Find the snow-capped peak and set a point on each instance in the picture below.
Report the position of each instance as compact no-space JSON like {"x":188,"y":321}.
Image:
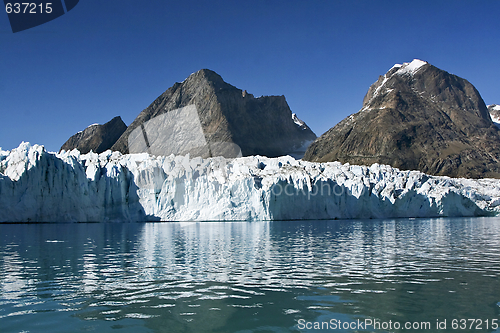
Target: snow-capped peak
{"x":96,"y":124}
{"x":407,"y":68}
{"x":410,"y":67}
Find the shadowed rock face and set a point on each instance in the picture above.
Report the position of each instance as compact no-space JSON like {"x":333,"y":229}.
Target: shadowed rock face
{"x":97,"y":138}
{"x":226,"y":115}
{"x":417,"y":117}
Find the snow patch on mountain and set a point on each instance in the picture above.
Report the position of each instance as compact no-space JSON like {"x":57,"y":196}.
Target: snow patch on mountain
{"x":396,"y":66}
{"x":298,"y":122}
{"x":411,"y":68}
{"x":495,"y":113}
{"x":496,"y":120}
{"x":40,"y":186}
{"x":91,"y":125}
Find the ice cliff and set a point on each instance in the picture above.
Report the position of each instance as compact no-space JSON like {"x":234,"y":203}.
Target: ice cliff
{"x":40,"y":186}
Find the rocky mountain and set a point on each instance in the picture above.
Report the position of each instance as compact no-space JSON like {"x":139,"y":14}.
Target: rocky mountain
{"x":205,"y":116}
{"x":494,"y":111}
{"x":97,"y":138}
{"x":417,"y":117}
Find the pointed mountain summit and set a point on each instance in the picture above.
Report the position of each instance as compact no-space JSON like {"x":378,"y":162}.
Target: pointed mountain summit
{"x":417,"y":117}
{"x":205,"y":116}
{"x":97,"y":138}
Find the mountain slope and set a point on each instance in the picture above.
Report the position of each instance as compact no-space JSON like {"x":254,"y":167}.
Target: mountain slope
{"x":417,"y":117}
{"x":205,"y":116}
{"x":97,"y":138}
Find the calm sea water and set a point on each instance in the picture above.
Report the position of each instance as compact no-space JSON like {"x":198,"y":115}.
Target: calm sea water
{"x":250,"y":277}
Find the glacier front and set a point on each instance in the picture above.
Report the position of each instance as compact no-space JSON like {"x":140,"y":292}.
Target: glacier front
{"x":41,"y":186}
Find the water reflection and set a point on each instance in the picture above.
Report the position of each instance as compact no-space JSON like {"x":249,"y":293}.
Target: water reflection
{"x":248,"y":277}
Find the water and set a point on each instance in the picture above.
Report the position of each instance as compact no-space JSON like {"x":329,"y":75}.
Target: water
{"x":249,"y":277}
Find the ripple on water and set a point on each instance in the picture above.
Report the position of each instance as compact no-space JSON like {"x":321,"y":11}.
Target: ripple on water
{"x":248,"y":275}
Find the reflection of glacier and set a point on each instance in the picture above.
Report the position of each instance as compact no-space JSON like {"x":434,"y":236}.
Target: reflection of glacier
{"x":13,"y":281}
{"x":178,"y":132}
{"x":40,"y":186}
{"x":212,"y":252}
{"x":165,"y":273}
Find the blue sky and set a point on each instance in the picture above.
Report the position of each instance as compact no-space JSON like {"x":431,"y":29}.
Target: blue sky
{"x":114,"y":57}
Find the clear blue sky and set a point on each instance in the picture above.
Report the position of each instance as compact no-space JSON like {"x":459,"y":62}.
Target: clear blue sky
{"x":114,"y":57}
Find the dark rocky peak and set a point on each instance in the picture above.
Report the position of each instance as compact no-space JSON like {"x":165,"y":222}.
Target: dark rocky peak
{"x":211,"y":77}
{"x":417,"y":117}
{"x":202,"y":81}
{"x":220,"y":118}
{"x":96,"y":138}
{"x":455,"y":96}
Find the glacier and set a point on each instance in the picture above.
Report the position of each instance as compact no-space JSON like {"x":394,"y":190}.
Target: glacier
{"x":41,"y":186}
